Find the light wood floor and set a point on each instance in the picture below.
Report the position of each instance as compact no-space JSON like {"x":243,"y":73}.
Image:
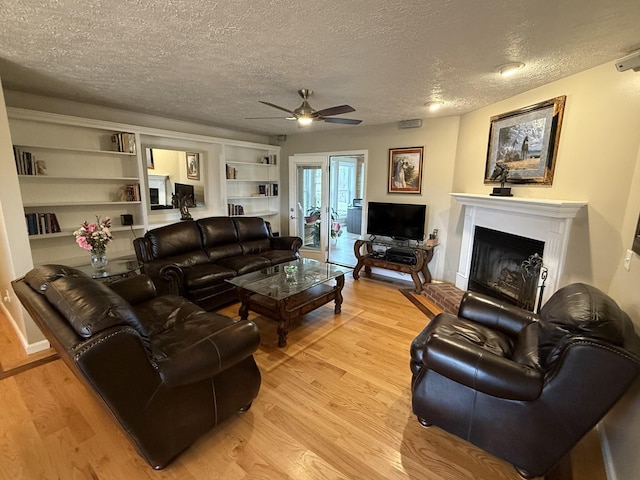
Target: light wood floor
{"x":334,"y":404}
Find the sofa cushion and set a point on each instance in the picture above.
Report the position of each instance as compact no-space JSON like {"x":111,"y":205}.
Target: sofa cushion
{"x":217,"y":231}
{"x":218,"y":252}
{"x":279,"y":256}
{"x":253,"y":247}
{"x":200,"y":276}
{"x":165,"y":311}
{"x":175,"y":239}
{"x":251,"y":228}
{"x":41,"y":276}
{"x":245,"y":263}
{"x":91,"y":306}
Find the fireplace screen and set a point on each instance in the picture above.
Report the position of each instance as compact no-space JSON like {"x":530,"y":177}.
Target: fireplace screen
{"x":496,"y":267}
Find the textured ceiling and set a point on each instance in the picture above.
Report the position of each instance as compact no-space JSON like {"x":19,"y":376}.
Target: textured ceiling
{"x":211,"y":61}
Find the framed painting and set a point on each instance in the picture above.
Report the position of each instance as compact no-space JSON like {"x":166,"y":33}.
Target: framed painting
{"x":405,"y":170}
{"x":149,"y":153}
{"x":193,"y":166}
{"x":523,"y":143}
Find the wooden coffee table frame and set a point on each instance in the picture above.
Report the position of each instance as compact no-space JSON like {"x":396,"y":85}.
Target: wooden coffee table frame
{"x":290,"y":308}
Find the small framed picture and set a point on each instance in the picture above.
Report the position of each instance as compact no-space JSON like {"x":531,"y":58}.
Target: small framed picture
{"x":405,"y":170}
{"x":193,"y":166}
{"x":523,"y":144}
{"x":149,"y":153}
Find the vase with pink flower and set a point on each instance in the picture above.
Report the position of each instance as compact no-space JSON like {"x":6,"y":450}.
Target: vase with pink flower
{"x":94,"y":238}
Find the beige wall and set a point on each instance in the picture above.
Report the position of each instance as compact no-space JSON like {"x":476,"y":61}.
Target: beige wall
{"x":439,"y":140}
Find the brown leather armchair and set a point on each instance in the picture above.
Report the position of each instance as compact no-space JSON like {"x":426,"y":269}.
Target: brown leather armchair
{"x":166,"y":370}
{"x":522,"y":386}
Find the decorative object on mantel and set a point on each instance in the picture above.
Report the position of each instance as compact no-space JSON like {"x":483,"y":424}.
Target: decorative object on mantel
{"x":501,"y":174}
{"x":533,"y":270}
{"x":526,"y":141}
{"x":94,"y":238}
{"x":183,"y":202}
{"x":405,"y":170}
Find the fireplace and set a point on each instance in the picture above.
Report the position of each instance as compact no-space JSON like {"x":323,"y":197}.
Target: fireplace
{"x":497,"y":266}
{"x":547,"y":221}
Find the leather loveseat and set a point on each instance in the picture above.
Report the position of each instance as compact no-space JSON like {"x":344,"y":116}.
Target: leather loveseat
{"x":194,"y":258}
{"x":522,"y":386}
{"x":165,"y":369}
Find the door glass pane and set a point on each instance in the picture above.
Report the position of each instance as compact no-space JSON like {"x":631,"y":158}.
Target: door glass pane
{"x":309,"y":202}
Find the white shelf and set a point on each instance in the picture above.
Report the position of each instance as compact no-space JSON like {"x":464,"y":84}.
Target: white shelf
{"x":72,"y":178}
{"x":250,"y":197}
{"x":236,"y":180}
{"x":69,"y":232}
{"x":75,"y":204}
{"x":266,"y":213}
{"x":74,"y":150}
{"x":253,"y":164}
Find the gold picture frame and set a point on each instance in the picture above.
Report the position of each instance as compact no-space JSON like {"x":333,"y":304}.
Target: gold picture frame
{"x":193,"y":166}
{"x":525,"y":141}
{"x":405,"y":170}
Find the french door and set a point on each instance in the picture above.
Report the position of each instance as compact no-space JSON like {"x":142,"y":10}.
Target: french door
{"x":309,"y":214}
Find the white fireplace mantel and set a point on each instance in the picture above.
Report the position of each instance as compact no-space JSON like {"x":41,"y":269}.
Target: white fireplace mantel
{"x":545,"y":220}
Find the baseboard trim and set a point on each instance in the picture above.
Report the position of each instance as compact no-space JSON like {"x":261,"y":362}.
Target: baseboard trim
{"x":29,"y":348}
{"x":606,"y":452}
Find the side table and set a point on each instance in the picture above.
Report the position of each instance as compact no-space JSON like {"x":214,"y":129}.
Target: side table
{"x":116,"y":269}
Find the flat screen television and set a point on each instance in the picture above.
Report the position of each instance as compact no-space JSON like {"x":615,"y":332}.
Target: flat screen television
{"x":396,"y":220}
{"x":185,"y":190}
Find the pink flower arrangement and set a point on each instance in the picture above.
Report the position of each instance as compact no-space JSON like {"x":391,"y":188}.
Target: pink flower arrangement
{"x":94,"y":236}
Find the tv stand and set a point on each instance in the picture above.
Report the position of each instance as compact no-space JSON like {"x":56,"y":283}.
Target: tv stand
{"x":407,"y":259}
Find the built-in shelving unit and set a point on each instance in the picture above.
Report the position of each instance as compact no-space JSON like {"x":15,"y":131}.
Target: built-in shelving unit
{"x":68,"y":173}
{"x":252,"y":182}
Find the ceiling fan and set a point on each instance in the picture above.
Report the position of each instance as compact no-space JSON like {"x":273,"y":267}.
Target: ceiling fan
{"x":305,"y":114}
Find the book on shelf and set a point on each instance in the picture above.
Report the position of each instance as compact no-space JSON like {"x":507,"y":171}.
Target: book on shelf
{"x":130,"y":193}
{"x":42,"y":223}
{"x":234,"y":210}
{"x":25,"y":162}
{"x":124,"y":142}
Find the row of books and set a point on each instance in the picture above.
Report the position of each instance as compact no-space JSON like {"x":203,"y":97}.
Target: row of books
{"x":130,"y":193}
{"x":41,"y":223}
{"x":269,"y":159}
{"x":233,"y":209}
{"x":269,"y":190}
{"x":25,"y":162}
{"x":124,"y":142}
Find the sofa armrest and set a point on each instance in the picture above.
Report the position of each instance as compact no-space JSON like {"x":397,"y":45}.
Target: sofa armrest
{"x":189,"y":360}
{"x":495,"y":314}
{"x":167,"y":276}
{"x":481,"y":370}
{"x":286,"y":243}
{"x":135,"y":290}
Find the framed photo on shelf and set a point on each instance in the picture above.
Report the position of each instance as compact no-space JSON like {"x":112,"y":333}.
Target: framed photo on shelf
{"x":149,"y":153}
{"x":405,"y":170}
{"x":525,"y":141}
{"x":193,"y":166}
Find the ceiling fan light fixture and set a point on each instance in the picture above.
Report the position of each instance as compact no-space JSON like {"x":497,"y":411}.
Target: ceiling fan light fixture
{"x":509,"y":69}
{"x":434,"y":105}
{"x":304,"y":121}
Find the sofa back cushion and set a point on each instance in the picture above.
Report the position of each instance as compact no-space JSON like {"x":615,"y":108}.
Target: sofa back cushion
{"x":253,"y":235}
{"x":219,"y":237}
{"x":581,"y":310}
{"x":90,"y":306}
{"x":174,"y":240}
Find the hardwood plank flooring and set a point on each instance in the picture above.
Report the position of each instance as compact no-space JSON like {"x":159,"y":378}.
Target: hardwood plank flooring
{"x":335,"y":403}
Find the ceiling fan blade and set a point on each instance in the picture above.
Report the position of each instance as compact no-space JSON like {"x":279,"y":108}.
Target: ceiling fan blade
{"x":338,"y":110}
{"x":278,"y":107}
{"x":262,"y":118}
{"x":343,"y":121}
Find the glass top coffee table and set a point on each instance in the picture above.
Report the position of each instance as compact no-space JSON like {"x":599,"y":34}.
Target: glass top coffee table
{"x":115,"y":269}
{"x":288,"y":291}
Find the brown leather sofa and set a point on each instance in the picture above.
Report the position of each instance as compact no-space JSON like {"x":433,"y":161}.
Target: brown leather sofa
{"x":164,"y":368}
{"x":194,"y":258}
{"x":522,"y":386}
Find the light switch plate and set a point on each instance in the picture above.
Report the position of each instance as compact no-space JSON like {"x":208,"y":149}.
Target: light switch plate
{"x":627,"y":260}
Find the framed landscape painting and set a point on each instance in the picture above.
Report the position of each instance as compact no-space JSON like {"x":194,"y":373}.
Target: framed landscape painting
{"x":405,"y":170}
{"x":525,"y":141}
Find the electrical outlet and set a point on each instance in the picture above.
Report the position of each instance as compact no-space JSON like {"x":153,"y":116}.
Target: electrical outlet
{"x":7,"y":297}
{"x":627,"y":260}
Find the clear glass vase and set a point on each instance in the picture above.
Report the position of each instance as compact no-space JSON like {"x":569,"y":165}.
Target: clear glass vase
{"x":99,"y":259}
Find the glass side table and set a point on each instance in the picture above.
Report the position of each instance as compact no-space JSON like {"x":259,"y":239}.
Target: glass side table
{"x":116,"y":269}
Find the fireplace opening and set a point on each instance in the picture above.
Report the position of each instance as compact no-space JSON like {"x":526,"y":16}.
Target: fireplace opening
{"x":497,"y":267}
